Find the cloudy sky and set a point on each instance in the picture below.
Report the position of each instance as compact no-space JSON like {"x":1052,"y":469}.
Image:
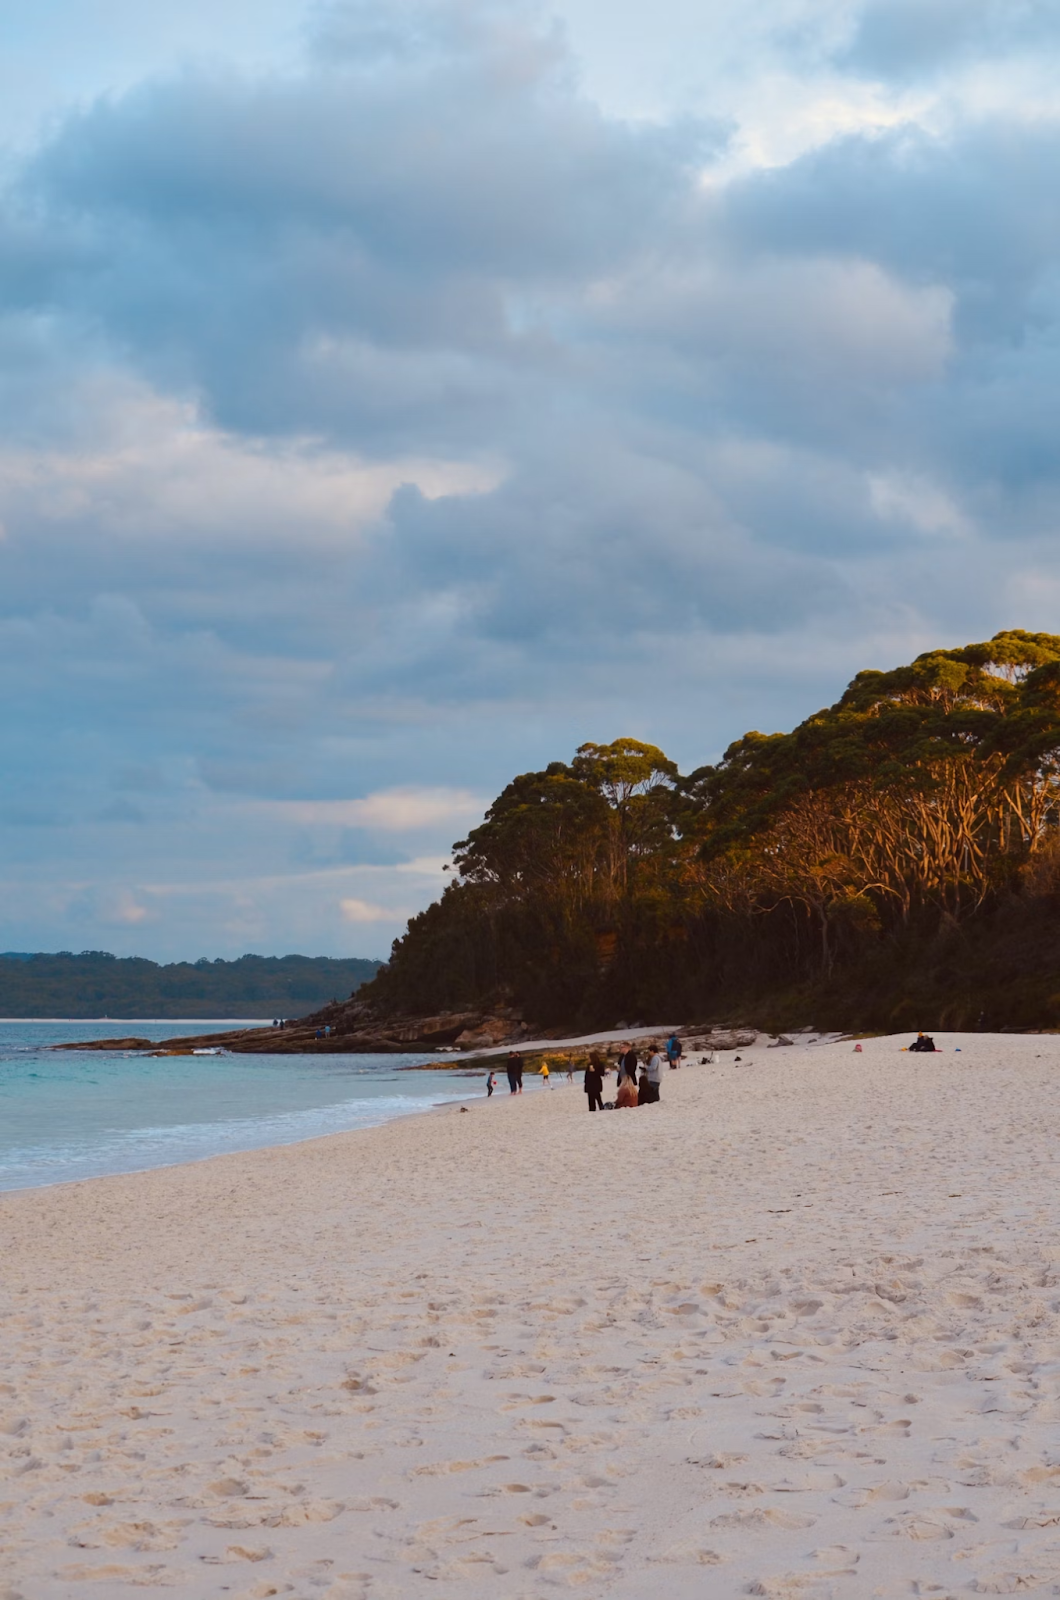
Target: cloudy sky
{"x":394,"y":395}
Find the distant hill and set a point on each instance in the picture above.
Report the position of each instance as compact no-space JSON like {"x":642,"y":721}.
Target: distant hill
{"x":97,"y":984}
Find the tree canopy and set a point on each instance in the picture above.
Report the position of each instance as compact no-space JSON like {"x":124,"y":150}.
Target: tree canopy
{"x":926,"y":799}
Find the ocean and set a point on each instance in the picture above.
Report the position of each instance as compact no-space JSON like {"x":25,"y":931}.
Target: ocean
{"x":67,"y":1115}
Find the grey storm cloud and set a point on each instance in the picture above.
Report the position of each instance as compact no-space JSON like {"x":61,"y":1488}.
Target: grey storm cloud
{"x":972,"y":215}
{"x":409,"y":417}
{"x":428,"y":241}
{"x":356,"y":250}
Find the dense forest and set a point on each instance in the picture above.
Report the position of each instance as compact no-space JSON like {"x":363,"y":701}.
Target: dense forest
{"x":97,"y":984}
{"x":893,"y":861}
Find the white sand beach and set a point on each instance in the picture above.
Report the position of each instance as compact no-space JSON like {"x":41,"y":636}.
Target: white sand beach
{"x":793,"y":1332}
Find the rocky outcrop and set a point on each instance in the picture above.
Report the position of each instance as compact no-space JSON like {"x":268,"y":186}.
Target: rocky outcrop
{"x":349,"y":1027}
{"x":353,"y":1027}
{"x":732,"y":1038}
{"x":491,"y":1031}
{"x":712,"y":1037}
{"x":108,"y":1044}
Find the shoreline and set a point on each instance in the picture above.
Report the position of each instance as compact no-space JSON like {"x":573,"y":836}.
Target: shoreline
{"x":471,"y":1065}
{"x":482,"y":1061}
{"x":797,"y":1322}
{"x":226,"y":1155}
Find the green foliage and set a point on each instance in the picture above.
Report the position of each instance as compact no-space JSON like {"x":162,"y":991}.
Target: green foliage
{"x":915,"y":806}
{"x":95,"y":984}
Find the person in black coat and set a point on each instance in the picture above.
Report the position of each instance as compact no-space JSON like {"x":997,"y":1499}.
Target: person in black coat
{"x":594,"y":1083}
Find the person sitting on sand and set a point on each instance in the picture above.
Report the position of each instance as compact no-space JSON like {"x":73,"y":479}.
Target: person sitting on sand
{"x":594,"y":1083}
{"x":923,"y":1042}
{"x":627,"y":1091}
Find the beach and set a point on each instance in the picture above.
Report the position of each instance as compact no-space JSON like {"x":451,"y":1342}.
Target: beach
{"x":792,"y":1332}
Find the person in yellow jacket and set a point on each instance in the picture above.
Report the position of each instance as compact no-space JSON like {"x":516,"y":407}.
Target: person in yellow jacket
{"x":545,"y":1072}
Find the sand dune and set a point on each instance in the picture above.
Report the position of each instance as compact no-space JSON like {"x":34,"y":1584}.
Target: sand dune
{"x":793,"y":1332}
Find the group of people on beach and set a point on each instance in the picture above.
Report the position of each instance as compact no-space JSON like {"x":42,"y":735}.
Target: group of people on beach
{"x":515,"y":1075}
{"x":639,"y":1081}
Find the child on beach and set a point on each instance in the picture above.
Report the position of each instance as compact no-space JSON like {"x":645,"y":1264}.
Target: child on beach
{"x":491,"y":1084}
{"x":545,"y":1073}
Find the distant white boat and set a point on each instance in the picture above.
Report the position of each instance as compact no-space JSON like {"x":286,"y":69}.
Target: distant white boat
{"x":213,"y":1050}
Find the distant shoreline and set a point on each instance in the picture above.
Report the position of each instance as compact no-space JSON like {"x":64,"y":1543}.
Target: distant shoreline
{"x":262,"y":1022}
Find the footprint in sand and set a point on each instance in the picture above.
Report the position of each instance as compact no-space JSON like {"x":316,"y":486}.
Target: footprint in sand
{"x":794,"y":1586}
{"x":140,"y":1577}
{"x":1036,"y":1519}
{"x":243,"y":1552}
{"x":349,"y":1586}
{"x":807,"y":1483}
{"x":305,"y":1511}
{"x":923,"y":1526}
{"x":759,"y":1518}
{"x":689,"y":1554}
{"x":856,"y":1498}
{"x":100,"y":1535}
{"x":1016,"y":1580}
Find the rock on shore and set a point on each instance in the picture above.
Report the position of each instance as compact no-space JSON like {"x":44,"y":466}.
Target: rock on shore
{"x":355,"y":1029}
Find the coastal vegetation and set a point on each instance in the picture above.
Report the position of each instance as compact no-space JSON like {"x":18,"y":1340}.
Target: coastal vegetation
{"x":894,"y":860}
{"x":97,"y":984}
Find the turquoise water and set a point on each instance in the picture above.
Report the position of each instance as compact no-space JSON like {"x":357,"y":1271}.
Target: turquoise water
{"x":67,"y":1115}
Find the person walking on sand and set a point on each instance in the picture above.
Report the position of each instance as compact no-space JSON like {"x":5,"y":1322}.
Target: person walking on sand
{"x":517,"y":1062}
{"x":491,"y":1084}
{"x":673,"y":1051}
{"x":594,"y":1083}
{"x":545,"y":1074}
{"x":513,"y":1075}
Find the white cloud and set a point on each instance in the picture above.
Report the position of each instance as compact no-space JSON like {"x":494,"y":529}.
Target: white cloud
{"x":365,"y":911}
{"x":405,"y":810}
{"x":145,"y":465}
{"x":924,"y":505}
